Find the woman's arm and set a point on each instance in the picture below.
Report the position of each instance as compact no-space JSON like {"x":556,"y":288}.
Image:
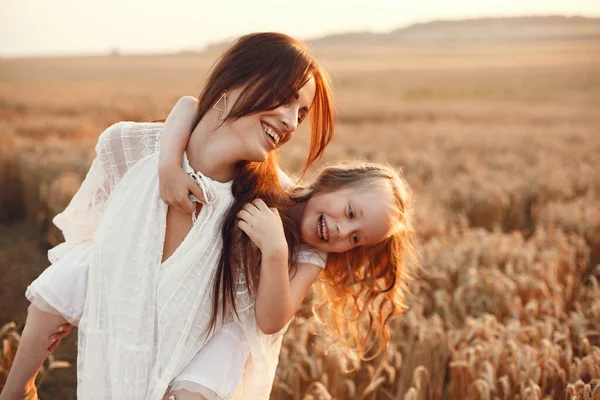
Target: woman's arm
{"x":278,"y":298}
{"x":175,"y":184}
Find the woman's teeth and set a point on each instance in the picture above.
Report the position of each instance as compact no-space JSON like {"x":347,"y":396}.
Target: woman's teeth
{"x":271,"y":133}
{"x":323,"y":229}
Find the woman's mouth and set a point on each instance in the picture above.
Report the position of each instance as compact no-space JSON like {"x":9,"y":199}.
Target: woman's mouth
{"x":271,"y":133}
{"x":322,"y":229}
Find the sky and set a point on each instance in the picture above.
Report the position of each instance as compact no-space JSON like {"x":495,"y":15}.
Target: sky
{"x":69,"y":27}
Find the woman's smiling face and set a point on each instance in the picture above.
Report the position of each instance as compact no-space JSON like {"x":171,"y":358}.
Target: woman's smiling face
{"x":340,"y":220}
{"x":260,"y":133}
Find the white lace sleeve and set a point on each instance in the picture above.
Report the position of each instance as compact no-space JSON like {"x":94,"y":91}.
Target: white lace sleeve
{"x":78,"y":222}
{"x":117,"y":149}
{"x":124,"y":144}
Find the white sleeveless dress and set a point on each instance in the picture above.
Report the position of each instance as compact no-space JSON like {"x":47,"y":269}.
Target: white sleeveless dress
{"x":142,"y":322}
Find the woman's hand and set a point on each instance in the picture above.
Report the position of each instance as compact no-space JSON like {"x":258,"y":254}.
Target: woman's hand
{"x":176,"y":185}
{"x":263,"y":226}
{"x":63,"y":330}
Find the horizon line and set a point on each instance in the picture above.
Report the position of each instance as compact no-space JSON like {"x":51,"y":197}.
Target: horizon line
{"x":115,"y":51}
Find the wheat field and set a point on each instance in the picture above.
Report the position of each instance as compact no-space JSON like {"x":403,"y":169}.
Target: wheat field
{"x":500,"y":144}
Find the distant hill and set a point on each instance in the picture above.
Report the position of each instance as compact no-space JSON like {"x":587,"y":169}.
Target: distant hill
{"x":506,"y":29}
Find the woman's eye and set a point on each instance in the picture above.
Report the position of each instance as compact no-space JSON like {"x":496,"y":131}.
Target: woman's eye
{"x":350,"y":212}
{"x":355,"y":238}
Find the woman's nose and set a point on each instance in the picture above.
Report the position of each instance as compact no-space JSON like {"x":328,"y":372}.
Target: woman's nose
{"x":289,"y":118}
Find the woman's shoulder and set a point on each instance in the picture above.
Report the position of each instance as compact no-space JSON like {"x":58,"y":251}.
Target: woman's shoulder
{"x":125,"y":133}
{"x":308,"y":254}
{"x":121,"y":127}
{"x":124,"y":143}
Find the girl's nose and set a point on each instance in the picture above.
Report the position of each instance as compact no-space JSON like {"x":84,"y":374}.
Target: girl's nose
{"x":343,"y":230}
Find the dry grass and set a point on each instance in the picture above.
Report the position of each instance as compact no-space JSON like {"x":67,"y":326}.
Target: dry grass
{"x":500,"y":145}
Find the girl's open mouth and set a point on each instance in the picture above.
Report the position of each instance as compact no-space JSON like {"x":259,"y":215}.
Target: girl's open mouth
{"x":323,"y":229}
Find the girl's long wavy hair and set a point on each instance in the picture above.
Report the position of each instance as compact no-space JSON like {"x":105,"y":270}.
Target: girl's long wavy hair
{"x":360,"y":290}
{"x":271,"y":68}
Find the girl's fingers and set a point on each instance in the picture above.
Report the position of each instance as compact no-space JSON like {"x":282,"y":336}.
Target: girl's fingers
{"x":251,"y":207}
{"x":58,"y":336}
{"x":177,"y":206}
{"x":274,"y":210}
{"x":187,"y":206}
{"x":244,"y":216}
{"x":63,"y":330}
{"x":260,"y":204}
{"x":244,"y":226}
{"x":197,"y":191}
{"x":53,"y":346}
{"x":172,"y":200}
{"x":65,"y":327}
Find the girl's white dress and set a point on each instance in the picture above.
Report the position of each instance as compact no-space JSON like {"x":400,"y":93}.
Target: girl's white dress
{"x":142,"y":322}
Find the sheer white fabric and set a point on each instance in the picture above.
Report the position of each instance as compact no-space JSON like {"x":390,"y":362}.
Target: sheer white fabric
{"x":218,"y":368}
{"x":61,"y":287}
{"x":144,"y":320}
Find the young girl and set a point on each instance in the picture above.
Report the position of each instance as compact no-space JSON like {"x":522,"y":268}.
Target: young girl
{"x":157,"y":285}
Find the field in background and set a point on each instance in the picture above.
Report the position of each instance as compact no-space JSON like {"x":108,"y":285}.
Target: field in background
{"x":500,"y":144}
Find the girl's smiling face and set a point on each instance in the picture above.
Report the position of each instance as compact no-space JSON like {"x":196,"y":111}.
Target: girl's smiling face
{"x":340,"y":220}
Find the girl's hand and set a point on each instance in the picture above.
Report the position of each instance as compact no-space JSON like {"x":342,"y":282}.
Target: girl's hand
{"x":263,"y":226}
{"x":63,"y":330}
{"x":176,"y":185}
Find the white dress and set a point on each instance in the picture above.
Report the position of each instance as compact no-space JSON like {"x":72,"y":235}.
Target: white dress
{"x":142,"y":322}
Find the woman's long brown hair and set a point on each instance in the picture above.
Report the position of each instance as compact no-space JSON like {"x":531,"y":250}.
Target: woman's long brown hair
{"x":271,"y":68}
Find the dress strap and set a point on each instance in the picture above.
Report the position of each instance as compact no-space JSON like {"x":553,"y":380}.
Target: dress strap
{"x":205,"y":183}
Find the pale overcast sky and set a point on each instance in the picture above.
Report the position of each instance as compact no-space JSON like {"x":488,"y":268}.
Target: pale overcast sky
{"x":57,"y":27}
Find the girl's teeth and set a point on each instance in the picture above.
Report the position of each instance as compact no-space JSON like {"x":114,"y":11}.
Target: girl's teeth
{"x":323,"y":231}
{"x":320,"y":227}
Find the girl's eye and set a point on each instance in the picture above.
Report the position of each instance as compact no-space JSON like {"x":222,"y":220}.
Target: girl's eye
{"x":355,"y":238}
{"x":350,"y":212}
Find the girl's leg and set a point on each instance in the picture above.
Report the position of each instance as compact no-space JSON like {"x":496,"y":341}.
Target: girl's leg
{"x":183,"y":394}
{"x":31,"y":353}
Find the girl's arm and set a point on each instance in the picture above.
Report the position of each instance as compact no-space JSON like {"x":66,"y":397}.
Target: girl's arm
{"x":175,"y":184}
{"x":278,"y":298}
